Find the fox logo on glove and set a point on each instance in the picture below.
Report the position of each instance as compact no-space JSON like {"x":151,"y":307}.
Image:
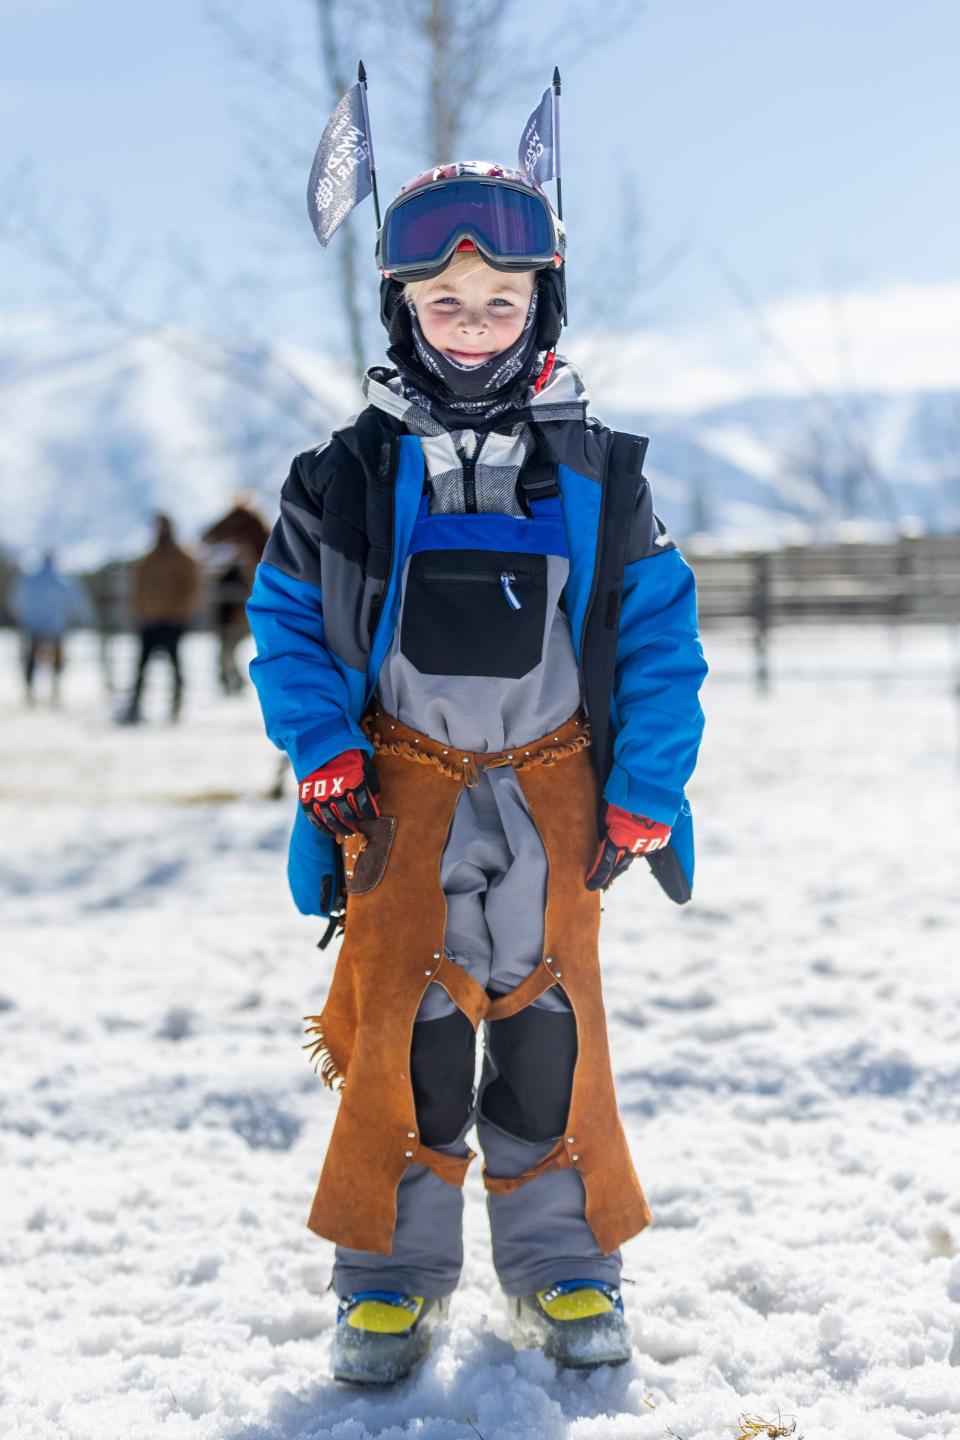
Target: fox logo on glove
{"x":341,"y":793}
{"x":627,"y":835}
{"x":658,"y":835}
{"x":320,"y":789}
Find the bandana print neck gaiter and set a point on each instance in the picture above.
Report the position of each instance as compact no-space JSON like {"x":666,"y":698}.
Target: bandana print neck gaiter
{"x":467,"y":384}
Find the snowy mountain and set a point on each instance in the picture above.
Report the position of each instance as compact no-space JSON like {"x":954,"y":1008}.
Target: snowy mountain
{"x":97,"y":432}
{"x":769,"y":469}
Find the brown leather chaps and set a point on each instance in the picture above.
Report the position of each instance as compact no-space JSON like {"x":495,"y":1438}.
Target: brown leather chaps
{"x":393,"y":950}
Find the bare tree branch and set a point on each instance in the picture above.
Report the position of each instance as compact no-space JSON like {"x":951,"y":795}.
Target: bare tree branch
{"x":270,"y":154}
{"x":347,"y":245}
{"x":459,"y":48}
{"x":861,"y":459}
{"x":258,"y":51}
{"x":470,"y":57}
{"x":30,"y":232}
{"x":453,"y":44}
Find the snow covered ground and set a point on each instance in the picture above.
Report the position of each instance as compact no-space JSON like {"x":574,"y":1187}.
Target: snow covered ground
{"x":787,"y":1051}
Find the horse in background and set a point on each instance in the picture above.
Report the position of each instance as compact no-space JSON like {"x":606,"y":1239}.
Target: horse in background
{"x":238,"y":539}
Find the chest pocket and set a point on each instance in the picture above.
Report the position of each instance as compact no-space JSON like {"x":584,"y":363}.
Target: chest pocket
{"x":474,"y":612}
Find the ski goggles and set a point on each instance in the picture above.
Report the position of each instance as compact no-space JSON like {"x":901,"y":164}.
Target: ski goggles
{"x":511,"y":224}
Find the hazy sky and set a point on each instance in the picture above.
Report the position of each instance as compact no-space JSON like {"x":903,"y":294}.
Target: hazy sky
{"x":807,"y":145}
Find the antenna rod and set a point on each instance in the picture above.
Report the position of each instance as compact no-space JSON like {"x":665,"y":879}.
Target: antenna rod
{"x":556,"y":137}
{"x":555,"y":107}
{"x":362,"y":78}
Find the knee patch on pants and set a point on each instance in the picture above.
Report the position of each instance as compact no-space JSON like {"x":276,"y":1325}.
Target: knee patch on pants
{"x":534,"y":1054}
{"x":441,"y":1071}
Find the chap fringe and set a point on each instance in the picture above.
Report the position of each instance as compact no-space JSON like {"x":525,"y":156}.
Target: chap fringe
{"x":323,"y":1062}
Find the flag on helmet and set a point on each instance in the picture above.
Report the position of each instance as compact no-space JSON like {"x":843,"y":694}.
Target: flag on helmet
{"x":539,"y":142}
{"x":340,"y":176}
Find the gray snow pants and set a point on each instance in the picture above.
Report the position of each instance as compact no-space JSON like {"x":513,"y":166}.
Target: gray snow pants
{"x":494,"y":877}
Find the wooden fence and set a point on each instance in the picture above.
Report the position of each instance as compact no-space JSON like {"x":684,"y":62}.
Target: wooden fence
{"x":914,"y":579}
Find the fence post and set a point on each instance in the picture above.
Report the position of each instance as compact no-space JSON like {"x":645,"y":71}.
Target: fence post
{"x":904,"y":602}
{"x":760,"y":609}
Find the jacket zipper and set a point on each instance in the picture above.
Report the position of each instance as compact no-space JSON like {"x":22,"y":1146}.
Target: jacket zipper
{"x":507,"y":580}
{"x":469,"y":464}
{"x":486,"y":575}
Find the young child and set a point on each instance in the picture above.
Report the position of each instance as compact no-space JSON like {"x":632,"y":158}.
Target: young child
{"x":478,"y":646}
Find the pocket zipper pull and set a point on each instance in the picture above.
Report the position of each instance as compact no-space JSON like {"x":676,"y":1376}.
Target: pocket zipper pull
{"x":506,"y":577}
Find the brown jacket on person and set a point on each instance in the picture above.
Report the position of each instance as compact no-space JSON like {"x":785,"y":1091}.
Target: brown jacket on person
{"x":166,"y":585}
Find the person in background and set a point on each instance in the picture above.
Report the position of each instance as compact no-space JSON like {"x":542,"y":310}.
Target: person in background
{"x":45,"y":604}
{"x":166,"y":590}
{"x":240,"y":536}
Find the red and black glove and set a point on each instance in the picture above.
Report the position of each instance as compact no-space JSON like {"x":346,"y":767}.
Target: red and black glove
{"x":627,"y":836}
{"x":341,"y":793}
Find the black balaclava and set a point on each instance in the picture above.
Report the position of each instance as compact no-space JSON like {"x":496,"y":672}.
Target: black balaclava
{"x":465,"y":394}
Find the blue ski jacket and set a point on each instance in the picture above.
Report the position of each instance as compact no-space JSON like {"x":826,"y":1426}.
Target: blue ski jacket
{"x":326,"y":601}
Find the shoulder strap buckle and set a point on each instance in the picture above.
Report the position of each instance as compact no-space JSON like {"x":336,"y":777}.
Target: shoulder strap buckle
{"x":538,"y":476}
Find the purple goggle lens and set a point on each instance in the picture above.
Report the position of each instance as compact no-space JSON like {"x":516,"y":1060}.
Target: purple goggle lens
{"x":422,"y":228}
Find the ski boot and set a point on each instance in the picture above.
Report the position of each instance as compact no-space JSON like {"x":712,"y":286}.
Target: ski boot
{"x":577,"y":1323}
{"x":382,"y":1334}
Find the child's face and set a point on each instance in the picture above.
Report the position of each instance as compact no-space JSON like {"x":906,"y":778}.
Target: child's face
{"x":474,"y":315}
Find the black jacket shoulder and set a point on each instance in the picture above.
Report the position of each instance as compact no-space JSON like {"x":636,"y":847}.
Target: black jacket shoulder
{"x":339,"y":496}
{"x":362,"y":447}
